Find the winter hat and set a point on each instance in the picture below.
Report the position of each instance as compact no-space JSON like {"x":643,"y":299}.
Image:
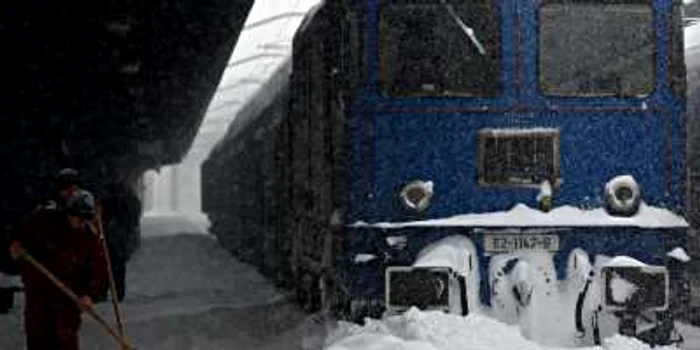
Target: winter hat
{"x":67,"y":177}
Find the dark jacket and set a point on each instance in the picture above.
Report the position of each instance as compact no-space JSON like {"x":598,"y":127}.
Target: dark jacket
{"x":74,"y":256}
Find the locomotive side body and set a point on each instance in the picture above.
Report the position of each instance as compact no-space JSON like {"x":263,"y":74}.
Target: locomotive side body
{"x":241,"y":178}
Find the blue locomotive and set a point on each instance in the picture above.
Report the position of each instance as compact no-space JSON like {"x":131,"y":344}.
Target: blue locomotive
{"x":520,"y":158}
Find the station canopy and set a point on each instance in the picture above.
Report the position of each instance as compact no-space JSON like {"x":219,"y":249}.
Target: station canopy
{"x":264,"y":44}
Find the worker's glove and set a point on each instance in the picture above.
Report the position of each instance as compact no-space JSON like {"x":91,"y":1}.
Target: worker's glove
{"x":16,"y":250}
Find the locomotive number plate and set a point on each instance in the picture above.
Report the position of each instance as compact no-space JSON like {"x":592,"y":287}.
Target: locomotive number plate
{"x":509,"y":243}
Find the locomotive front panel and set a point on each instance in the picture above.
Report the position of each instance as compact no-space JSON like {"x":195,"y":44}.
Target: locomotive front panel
{"x":534,"y":149}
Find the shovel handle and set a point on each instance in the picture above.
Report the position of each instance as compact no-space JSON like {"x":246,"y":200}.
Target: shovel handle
{"x":89,"y":310}
{"x":110,"y":273}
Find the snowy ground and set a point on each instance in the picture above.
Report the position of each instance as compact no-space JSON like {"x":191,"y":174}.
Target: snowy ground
{"x":156,"y":224}
{"x":184,"y":293}
{"x":415,"y":330}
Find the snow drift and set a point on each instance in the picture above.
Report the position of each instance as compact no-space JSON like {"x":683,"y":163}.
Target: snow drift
{"x":417,"y":330}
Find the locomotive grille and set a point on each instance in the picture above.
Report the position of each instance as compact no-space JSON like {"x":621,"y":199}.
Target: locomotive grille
{"x":518,"y":157}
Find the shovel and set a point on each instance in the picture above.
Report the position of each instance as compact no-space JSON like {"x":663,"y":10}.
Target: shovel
{"x":123,"y":342}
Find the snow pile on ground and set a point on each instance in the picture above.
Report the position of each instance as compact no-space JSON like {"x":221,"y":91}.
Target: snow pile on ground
{"x":156,"y":224}
{"x":189,"y":273}
{"x":185,"y":292}
{"x":417,"y":330}
{"x":523,"y":216}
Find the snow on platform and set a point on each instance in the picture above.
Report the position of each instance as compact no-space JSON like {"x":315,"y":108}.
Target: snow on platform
{"x":416,"y":330}
{"x":189,"y":272}
{"x":691,"y":335}
{"x":156,"y":224}
{"x":565,"y":216}
{"x":185,"y":292}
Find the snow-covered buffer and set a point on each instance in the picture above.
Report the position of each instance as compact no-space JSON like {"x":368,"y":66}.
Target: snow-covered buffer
{"x":444,"y":277}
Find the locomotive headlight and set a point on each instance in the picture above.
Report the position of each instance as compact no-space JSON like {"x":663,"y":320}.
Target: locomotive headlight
{"x":622,"y":196}
{"x":417,"y":195}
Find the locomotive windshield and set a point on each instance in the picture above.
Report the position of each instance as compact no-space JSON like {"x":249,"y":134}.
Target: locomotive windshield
{"x":440,"y":47}
{"x":597,"y":48}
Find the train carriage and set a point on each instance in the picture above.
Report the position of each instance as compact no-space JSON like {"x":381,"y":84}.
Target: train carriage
{"x":507,"y":157}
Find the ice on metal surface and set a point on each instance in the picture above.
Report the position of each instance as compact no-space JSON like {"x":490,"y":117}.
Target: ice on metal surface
{"x":624,"y":261}
{"x":518,"y":131}
{"x":565,"y":216}
{"x":545,"y":190}
{"x":363,"y":258}
{"x":397,"y":242}
{"x":679,"y":254}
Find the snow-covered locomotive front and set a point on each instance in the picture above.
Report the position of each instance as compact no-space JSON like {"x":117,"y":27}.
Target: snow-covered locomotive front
{"x":531,"y":274}
{"x":546,"y":140}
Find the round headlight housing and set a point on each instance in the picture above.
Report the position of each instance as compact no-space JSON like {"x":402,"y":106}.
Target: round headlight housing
{"x":622,"y":196}
{"x":417,"y":195}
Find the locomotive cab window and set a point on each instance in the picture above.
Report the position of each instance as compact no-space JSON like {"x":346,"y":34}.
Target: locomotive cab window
{"x":598,"y":48}
{"x":440,"y":48}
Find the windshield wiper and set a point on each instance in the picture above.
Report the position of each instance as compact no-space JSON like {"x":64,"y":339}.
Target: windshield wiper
{"x":465,"y":28}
